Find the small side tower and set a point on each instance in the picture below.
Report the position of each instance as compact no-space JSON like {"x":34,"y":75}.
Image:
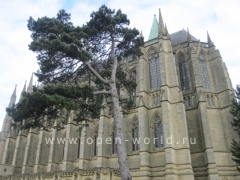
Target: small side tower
{"x":7,"y":124}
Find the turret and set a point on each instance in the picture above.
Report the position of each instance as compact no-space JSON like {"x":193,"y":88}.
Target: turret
{"x":210,"y":43}
{"x":189,"y":38}
{"x":7,"y":120}
{"x":13,"y":97}
{"x":29,"y":89}
{"x":23,"y":91}
{"x":161,"y":29}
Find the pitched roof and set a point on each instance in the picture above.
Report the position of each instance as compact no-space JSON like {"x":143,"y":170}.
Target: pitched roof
{"x":180,"y":36}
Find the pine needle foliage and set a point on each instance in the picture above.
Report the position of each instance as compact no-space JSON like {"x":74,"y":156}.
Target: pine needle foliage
{"x":235,"y":111}
{"x":63,"y":51}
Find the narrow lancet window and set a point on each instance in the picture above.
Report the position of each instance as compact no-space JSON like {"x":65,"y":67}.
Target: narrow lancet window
{"x":95,"y":142}
{"x":204,"y":72}
{"x":158,"y":133}
{"x":62,"y":155}
{"x":184,"y":80}
{"x":62,"y":147}
{"x":135,"y":135}
{"x":78,"y":148}
{"x":114,"y":147}
{"x":154,"y":70}
{"x":95,"y":146}
{"x":113,"y":144}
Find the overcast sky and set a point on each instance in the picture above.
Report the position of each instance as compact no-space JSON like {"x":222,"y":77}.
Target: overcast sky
{"x":220,"y":18}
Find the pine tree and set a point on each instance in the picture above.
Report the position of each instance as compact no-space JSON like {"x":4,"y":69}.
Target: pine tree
{"x":235,"y":111}
{"x":79,"y":69}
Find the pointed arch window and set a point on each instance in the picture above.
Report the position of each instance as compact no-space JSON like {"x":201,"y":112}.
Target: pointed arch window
{"x":183,"y":73}
{"x":154,"y":70}
{"x":158,"y":133}
{"x":204,"y":72}
{"x":135,"y":135}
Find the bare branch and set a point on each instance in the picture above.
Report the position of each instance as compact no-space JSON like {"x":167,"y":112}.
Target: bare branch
{"x":95,"y":73}
{"x":102,"y":92}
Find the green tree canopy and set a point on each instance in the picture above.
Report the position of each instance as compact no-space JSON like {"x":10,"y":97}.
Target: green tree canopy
{"x":235,"y":111}
{"x":78,"y":67}
{"x":64,"y":53}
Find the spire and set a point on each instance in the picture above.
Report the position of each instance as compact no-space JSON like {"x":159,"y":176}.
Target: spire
{"x":29,"y":89}
{"x":23,"y":91}
{"x":13,"y":97}
{"x":210,"y":43}
{"x":161,"y":24}
{"x":208,"y":38}
{"x":154,"y":30}
{"x":24,"y":87}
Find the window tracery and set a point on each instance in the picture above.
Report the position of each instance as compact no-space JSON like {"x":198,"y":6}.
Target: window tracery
{"x":154,"y":70}
{"x":158,"y":133}
{"x":204,"y":72}
{"x":135,"y":135}
{"x":183,"y":73}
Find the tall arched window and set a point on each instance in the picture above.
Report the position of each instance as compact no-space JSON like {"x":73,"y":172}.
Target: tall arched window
{"x":158,"y":133}
{"x":154,"y":70}
{"x":133,"y":91}
{"x":204,"y":72}
{"x":135,"y":135}
{"x":184,"y":80}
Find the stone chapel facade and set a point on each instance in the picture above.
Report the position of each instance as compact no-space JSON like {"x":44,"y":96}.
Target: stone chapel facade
{"x":181,"y":117}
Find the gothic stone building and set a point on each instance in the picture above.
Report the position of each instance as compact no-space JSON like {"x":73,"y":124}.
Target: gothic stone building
{"x":182,"y":99}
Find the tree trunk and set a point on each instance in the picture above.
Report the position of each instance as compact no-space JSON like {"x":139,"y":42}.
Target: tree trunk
{"x":120,"y":141}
